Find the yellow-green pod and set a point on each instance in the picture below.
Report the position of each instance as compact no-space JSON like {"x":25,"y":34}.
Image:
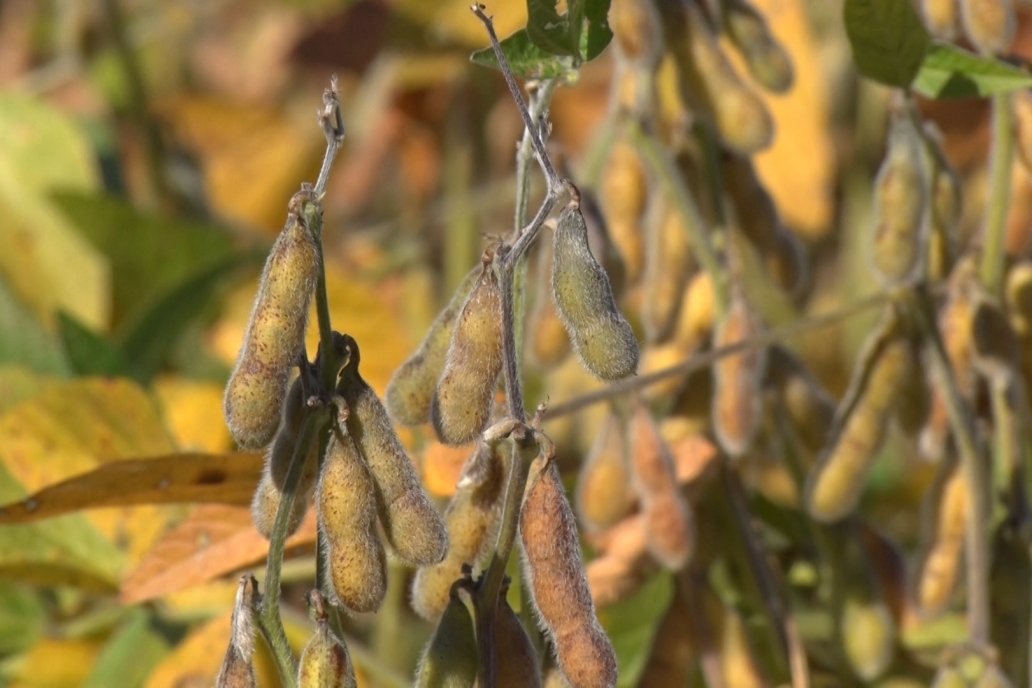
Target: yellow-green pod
{"x":413,"y":527}
{"x":555,"y":575}
{"x":989,"y":24}
{"x":835,"y":483}
{"x":601,"y":336}
{"x":275,"y":335}
{"x":767,"y":60}
{"x":411,"y":389}
{"x":325,"y":662}
{"x":462,"y":402}
{"x":450,"y":659}
{"x":900,"y":205}
{"x":868,"y":636}
{"x":604,"y":493}
{"x":472,"y":520}
{"x":347,"y":505}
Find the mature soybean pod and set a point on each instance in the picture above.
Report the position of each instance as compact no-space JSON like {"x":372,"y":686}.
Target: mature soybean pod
{"x":281,"y":451}
{"x":325,"y":662}
{"x":471,"y":519}
{"x":462,"y":401}
{"x":710,"y":83}
{"x":940,"y":18}
{"x":623,"y":199}
{"x":237,"y":670}
{"x":835,"y":483}
{"x":413,"y":527}
{"x":450,"y":659}
{"x":669,"y":524}
{"x":275,"y":334}
{"x":601,"y":336}
{"x":668,"y":264}
{"x":944,"y":530}
{"x":737,"y":403}
{"x":347,"y":519}
{"x":989,"y":24}
{"x":411,"y":389}
{"x":604,"y":494}
{"x":767,"y":60}
{"x":900,"y":205}
{"x":555,"y":575}
{"x":809,"y":408}
{"x":868,"y":636}
{"x":267,"y":498}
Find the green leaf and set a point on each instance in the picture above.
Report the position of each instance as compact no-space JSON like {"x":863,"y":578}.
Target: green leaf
{"x":598,"y":34}
{"x":952,"y":72}
{"x":526,"y":60}
{"x":632,"y":623}
{"x":130,"y":655}
{"x":22,"y":617}
{"x":889,"y":41}
{"x":24,"y":341}
{"x":149,"y":339}
{"x":88,"y":352}
{"x":547,"y":30}
{"x":148,"y":253}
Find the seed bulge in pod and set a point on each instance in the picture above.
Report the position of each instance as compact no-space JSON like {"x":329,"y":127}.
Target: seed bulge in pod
{"x":325,"y":662}
{"x":940,"y":18}
{"x":900,"y":205}
{"x":347,"y":518}
{"x":768,"y":62}
{"x":411,"y":389}
{"x":835,"y":483}
{"x":517,"y":663}
{"x":450,"y":659}
{"x":462,"y":402}
{"x":604,"y":493}
{"x":989,"y":24}
{"x":275,"y":334}
{"x":944,"y":531}
{"x":737,"y":403}
{"x":471,"y":519}
{"x":601,"y":336}
{"x":555,"y":575}
{"x":413,"y":527}
{"x":669,"y":524}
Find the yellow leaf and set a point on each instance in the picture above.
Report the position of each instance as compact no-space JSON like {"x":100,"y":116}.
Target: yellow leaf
{"x":193,"y":414}
{"x":74,"y":427}
{"x":55,"y":663}
{"x":799,"y":168}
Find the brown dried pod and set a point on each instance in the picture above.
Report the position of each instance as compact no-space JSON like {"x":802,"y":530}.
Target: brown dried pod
{"x":670,"y":526}
{"x":347,"y":506}
{"x":462,"y":402}
{"x":411,"y":523}
{"x":471,"y":519}
{"x":836,"y":482}
{"x":275,"y":335}
{"x":237,"y":670}
{"x":623,"y":195}
{"x":604,"y":495}
{"x":601,"y":336}
{"x":767,"y":60}
{"x":555,"y":576}
{"x":809,"y":407}
{"x":737,"y":403}
{"x":411,"y":389}
{"x":710,"y":84}
{"x":517,"y":662}
{"x":668,"y":264}
{"x":900,"y":205}
{"x":940,"y":18}
{"x":989,"y":24}
{"x":944,"y":531}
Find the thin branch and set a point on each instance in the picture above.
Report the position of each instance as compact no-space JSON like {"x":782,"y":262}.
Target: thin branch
{"x":710,"y":357}
{"x":332,"y":122}
{"x":1001,"y":157}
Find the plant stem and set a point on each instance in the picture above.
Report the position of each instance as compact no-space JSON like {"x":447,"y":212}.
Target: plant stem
{"x":677,"y":191}
{"x":977,"y":556}
{"x":994,"y":250}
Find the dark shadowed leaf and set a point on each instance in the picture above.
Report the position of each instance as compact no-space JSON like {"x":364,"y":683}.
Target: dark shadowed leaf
{"x":889,"y":42}
{"x":87,"y":351}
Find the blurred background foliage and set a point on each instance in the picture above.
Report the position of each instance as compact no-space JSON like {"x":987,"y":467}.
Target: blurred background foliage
{"x":147,"y":152}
